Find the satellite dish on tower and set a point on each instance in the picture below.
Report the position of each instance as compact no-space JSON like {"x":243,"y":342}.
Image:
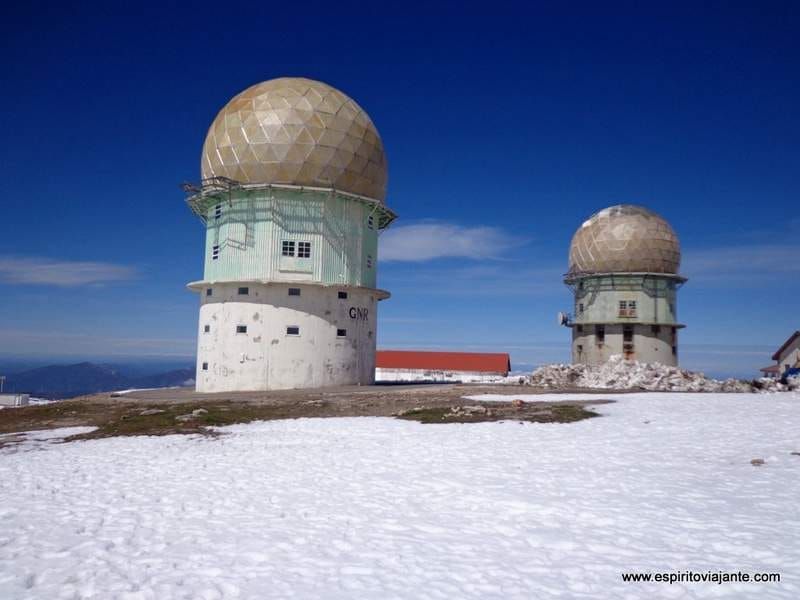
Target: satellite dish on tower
{"x":563,"y":319}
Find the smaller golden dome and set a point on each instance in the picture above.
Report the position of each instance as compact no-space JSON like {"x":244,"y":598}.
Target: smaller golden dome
{"x":625,"y":239}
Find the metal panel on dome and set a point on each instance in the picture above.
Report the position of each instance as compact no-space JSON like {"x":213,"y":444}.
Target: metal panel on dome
{"x":296,"y":131}
{"x":625,"y":239}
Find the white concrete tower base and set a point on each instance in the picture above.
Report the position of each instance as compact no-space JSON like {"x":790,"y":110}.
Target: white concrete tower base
{"x":268,"y":335}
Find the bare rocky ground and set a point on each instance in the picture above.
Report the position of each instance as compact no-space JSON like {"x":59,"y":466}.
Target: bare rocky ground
{"x":168,"y":411}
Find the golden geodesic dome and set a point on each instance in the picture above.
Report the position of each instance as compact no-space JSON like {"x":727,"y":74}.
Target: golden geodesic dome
{"x":296,"y":131}
{"x":625,"y":239}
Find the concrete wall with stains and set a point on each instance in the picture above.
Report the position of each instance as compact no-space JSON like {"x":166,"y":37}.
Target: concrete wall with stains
{"x":244,"y":340}
{"x":645,"y":343}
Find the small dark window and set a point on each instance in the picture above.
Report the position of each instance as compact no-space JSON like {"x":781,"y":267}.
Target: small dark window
{"x":371,"y":222}
{"x":207,"y":328}
{"x":215,"y":252}
{"x":217,"y":211}
{"x":580,"y":348}
{"x":369,"y":261}
{"x":580,"y":328}
{"x":303,"y":249}
{"x":600,"y":333}
{"x":292,"y":330}
{"x":656,"y":329}
{"x":243,"y":291}
{"x":674,"y":350}
{"x":341,"y":333}
{"x":205,"y":366}
{"x":294,"y":291}
{"x":241,"y":329}
{"x":627,"y":334}
{"x":287,"y":248}
{"x":342,"y":295}
{"x":580,"y":308}
{"x":627,"y":308}
{"x":208,"y":291}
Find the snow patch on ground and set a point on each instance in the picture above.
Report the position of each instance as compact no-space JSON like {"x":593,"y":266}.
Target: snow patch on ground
{"x":622,"y":374}
{"x":37,"y":440}
{"x":116,"y":393}
{"x":37,"y":401}
{"x":383,"y":508}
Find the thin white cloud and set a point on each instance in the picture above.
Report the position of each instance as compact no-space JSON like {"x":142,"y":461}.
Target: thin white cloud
{"x":47,"y":271}
{"x":429,"y":241}
{"x":743,"y":265}
{"x":499,"y":278}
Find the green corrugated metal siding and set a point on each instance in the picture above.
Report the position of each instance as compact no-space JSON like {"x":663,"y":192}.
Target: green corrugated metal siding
{"x":253,"y":224}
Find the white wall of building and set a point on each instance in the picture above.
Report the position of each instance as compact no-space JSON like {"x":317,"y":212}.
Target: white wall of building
{"x":790,"y":357}
{"x":14,"y":399}
{"x":434,"y":376}
{"x":265,"y":356}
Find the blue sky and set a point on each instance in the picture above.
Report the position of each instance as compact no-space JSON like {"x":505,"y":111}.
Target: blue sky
{"x":505,"y":125}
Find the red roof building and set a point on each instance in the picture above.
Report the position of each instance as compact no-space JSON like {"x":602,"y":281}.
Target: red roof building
{"x":773,"y":371}
{"x":411,"y":365}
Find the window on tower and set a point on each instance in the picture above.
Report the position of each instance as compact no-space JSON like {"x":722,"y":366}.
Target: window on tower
{"x":217,"y":211}
{"x":215,"y":252}
{"x":241,"y":329}
{"x":287,"y":248}
{"x":294,"y":291}
{"x":243,"y":291}
{"x":342,"y":295}
{"x":371,"y":222}
{"x":205,"y":366}
{"x":627,"y":308}
{"x":600,"y":333}
{"x":207,"y":328}
{"x":369,"y":261}
{"x":341,"y":333}
{"x":303,"y":249}
{"x":292,"y":330}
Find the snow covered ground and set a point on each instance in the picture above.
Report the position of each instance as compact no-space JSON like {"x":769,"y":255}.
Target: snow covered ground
{"x":382,"y":508}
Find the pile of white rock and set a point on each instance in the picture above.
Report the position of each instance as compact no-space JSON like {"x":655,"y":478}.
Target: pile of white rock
{"x":621,"y":374}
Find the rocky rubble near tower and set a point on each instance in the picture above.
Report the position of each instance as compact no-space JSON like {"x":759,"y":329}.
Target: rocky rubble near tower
{"x":621,"y":374}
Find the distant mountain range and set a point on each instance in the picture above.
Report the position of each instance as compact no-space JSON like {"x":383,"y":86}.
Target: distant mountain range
{"x":68,"y":381}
